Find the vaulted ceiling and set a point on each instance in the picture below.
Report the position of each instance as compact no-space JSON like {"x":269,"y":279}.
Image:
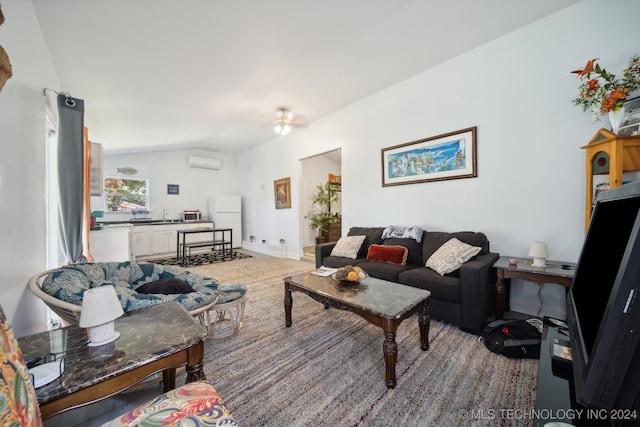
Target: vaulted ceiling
{"x":167,"y":74}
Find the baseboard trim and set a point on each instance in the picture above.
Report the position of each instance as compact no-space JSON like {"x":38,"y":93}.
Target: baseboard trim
{"x":278,"y":251}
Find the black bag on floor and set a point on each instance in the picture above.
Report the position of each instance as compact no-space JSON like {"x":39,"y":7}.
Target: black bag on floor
{"x":515,"y":339}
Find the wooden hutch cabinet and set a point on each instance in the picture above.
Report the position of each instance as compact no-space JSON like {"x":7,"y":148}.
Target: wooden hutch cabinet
{"x":335,"y":229}
{"x":609,"y":154}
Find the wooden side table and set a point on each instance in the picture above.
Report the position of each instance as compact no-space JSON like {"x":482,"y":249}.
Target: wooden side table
{"x":559,"y":272}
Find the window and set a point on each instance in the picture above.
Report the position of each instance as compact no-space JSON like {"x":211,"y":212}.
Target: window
{"x":126,"y":194}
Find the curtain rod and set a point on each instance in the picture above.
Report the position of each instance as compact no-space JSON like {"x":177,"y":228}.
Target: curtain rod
{"x":69,"y":100}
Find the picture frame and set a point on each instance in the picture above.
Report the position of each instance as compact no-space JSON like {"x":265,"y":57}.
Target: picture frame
{"x":630,"y":123}
{"x":282,"y":193}
{"x":451,"y":155}
{"x":173,"y":189}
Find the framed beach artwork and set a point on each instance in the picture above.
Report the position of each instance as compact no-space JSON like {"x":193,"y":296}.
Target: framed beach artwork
{"x":282,"y":193}
{"x":447,"y":156}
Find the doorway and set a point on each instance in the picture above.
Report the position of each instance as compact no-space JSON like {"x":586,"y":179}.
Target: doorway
{"x":316,"y":170}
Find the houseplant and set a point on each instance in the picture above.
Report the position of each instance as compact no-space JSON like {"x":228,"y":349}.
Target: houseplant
{"x":322,"y":219}
{"x":601,"y":92}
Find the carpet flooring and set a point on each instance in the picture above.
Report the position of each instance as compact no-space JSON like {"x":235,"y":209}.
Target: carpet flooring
{"x":327,"y":369}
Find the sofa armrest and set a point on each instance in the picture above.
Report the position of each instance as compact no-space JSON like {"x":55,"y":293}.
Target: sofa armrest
{"x":322,"y":251}
{"x":477,"y":298}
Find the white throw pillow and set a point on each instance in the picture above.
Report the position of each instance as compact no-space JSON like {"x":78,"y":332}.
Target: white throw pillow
{"x":450,"y":256}
{"x":348,"y":247}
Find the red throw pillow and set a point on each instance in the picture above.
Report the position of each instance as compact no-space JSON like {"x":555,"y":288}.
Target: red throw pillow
{"x":388,"y":253}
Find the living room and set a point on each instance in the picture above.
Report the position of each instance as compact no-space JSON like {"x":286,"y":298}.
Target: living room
{"x":517,"y":90}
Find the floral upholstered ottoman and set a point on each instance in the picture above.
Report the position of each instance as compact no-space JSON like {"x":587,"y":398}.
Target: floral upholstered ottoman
{"x":194,"y":404}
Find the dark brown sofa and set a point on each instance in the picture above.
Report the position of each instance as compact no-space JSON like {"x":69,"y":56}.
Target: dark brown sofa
{"x":464,"y":297}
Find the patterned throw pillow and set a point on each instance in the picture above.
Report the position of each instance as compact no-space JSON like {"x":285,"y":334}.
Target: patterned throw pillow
{"x":18,"y":402}
{"x":450,"y":256}
{"x":348,"y":247}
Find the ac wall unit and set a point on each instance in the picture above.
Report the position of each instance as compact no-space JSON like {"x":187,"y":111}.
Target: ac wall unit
{"x":204,"y":163}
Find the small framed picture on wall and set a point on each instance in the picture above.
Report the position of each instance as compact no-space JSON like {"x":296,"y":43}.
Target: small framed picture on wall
{"x":173,"y":189}
{"x":282,"y":192}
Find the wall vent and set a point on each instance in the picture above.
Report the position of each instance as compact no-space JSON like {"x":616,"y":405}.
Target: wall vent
{"x":204,"y":163}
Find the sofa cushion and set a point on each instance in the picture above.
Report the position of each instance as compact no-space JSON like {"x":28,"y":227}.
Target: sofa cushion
{"x":450,"y":256}
{"x":385,"y":270}
{"x":373,"y":236}
{"x":171,"y":285}
{"x":348,"y":247}
{"x":446,"y":288}
{"x":338,"y":262}
{"x":414,"y":255}
{"x":393,"y":254}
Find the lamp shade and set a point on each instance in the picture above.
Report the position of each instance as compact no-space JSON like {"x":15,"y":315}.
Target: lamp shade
{"x":100,"y":307}
{"x":540,"y":252}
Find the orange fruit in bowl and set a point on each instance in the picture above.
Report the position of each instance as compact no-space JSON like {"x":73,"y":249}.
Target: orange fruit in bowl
{"x":357,"y":269}
{"x":352,"y":276}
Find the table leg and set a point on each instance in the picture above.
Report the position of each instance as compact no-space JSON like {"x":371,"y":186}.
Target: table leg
{"x":288,"y":303}
{"x":390,"y":350}
{"x":424,"y":322}
{"x":168,"y":379}
{"x":500,"y":297}
{"x":195,"y":363}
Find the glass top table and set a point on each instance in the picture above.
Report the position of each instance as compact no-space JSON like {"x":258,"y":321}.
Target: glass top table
{"x":382,"y":303}
{"x":154,"y":339}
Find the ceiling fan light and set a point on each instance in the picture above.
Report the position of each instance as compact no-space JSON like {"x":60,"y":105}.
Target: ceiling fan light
{"x":282,"y":129}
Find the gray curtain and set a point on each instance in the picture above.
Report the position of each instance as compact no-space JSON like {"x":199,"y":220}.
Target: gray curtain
{"x":70,"y":175}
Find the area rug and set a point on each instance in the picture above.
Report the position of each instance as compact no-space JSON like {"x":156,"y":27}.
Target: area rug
{"x":327,"y":369}
{"x":201,"y":259}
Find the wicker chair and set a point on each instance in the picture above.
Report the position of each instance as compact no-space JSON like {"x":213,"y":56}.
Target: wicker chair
{"x":66,"y":299}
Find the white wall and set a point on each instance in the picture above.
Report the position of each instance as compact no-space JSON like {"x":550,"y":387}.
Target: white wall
{"x":517,"y":90}
{"x":22,"y":165}
{"x":170,"y":167}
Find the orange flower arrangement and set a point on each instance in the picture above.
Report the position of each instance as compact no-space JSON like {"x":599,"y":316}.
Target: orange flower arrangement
{"x":601,"y":92}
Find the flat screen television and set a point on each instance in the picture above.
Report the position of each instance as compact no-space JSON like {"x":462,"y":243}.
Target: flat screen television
{"x":603,"y":305}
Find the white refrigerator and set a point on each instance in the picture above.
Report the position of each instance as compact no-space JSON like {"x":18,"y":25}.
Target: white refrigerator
{"x":226,"y":212}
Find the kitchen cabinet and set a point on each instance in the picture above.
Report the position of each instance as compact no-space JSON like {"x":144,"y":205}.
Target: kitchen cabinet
{"x":161,"y":239}
{"x":141,"y":241}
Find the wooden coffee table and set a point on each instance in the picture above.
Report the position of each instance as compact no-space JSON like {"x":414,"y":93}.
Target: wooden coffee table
{"x":155,"y":339}
{"x":384,"y":304}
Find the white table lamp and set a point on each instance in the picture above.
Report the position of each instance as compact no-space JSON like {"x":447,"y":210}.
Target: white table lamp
{"x":540,"y":252}
{"x":100,"y":307}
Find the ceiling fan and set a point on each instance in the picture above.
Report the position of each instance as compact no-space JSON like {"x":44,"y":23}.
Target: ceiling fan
{"x":285,"y":120}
